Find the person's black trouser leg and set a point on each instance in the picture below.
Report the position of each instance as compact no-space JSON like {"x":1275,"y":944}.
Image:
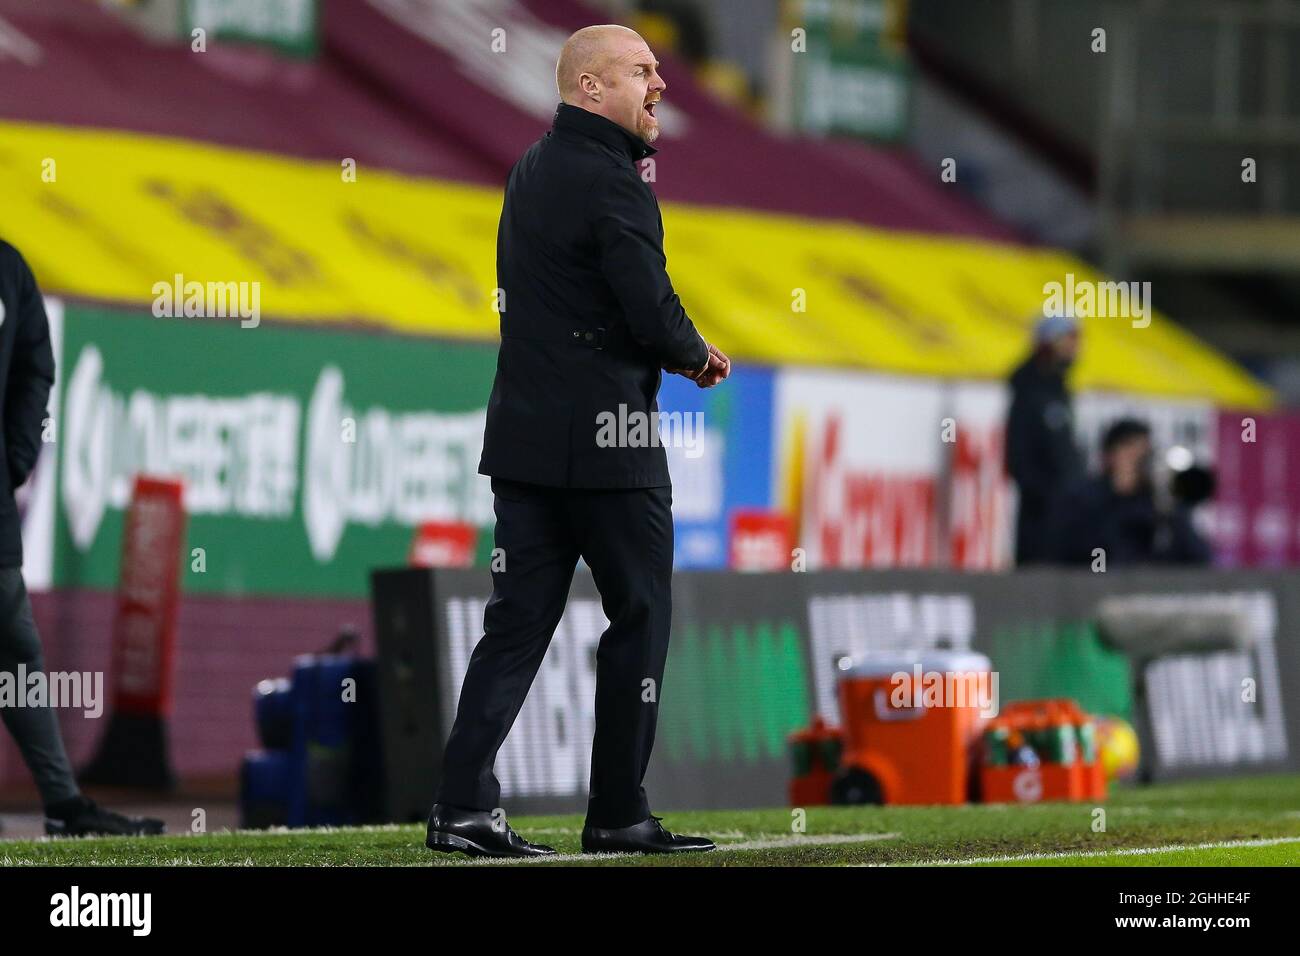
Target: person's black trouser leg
{"x":1034,"y":544}
{"x":35,"y":729}
{"x":534,"y":532}
{"x":627,"y":540}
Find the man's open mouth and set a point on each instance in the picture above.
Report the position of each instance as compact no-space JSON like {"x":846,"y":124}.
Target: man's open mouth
{"x":650,"y":107}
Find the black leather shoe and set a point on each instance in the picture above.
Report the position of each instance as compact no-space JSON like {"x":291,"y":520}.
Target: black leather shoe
{"x":452,"y":830}
{"x":648,"y":836}
{"x":82,"y":816}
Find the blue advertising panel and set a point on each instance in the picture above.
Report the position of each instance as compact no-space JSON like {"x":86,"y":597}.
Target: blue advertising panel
{"x":719,"y":444}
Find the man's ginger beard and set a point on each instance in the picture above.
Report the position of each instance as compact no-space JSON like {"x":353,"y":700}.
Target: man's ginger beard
{"x":647,"y":133}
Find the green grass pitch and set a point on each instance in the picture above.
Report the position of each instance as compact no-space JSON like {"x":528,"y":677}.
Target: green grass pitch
{"x":1240,"y":822}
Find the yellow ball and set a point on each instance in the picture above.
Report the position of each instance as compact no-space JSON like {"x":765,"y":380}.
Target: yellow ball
{"x":1117,"y":745}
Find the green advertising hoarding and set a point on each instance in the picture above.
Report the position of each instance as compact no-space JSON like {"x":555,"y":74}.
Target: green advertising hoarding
{"x":308,"y":456}
{"x":291,"y":26}
{"x":852,"y":76}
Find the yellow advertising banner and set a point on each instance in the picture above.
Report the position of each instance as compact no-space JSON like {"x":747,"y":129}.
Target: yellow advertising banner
{"x":117,"y":217}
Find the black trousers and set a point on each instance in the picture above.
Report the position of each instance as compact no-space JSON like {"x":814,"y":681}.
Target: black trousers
{"x":626,"y":538}
{"x":35,"y":729}
{"x":1035,"y":539}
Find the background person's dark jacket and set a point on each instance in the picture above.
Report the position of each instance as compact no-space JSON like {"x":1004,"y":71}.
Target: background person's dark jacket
{"x":1041,"y":455}
{"x":1091,"y":515}
{"x":1178,"y":541}
{"x":26,"y":375}
{"x":580,"y":250}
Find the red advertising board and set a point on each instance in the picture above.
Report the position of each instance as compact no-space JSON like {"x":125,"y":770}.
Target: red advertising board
{"x":144,"y":628}
{"x":443,"y":544}
{"x":761,"y":540}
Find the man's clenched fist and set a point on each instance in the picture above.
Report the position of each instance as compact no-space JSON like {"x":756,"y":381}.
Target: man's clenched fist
{"x":717,"y":368}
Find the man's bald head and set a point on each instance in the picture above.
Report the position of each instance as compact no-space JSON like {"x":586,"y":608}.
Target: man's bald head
{"x":609,"y":70}
{"x":590,"y":50}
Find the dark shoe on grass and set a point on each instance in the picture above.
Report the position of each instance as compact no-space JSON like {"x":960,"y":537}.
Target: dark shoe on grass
{"x":476,"y":833}
{"x":648,"y":836}
{"x":82,"y":816}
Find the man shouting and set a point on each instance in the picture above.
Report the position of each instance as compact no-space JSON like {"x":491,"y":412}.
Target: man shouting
{"x":589,"y":320}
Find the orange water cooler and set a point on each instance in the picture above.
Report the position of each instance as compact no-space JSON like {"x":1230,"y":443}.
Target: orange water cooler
{"x":909,"y":723}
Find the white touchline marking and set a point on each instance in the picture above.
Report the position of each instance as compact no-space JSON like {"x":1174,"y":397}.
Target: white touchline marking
{"x":829,"y":839}
{"x":1089,"y":854}
{"x":282,"y":831}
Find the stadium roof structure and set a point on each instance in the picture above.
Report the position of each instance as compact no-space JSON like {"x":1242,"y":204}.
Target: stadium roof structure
{"x":71,"y":63}
{"x":226,"y":166}
{"x":414,"y":87}
{"x":435,"y":60}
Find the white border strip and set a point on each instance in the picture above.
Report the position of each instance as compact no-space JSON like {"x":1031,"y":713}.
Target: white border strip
{"x":1090,"y":854}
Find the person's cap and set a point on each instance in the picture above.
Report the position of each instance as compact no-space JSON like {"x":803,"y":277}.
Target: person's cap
{"x":1052,"y":327}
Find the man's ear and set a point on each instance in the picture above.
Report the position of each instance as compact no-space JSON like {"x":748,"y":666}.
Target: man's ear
{"x":590,"y":86}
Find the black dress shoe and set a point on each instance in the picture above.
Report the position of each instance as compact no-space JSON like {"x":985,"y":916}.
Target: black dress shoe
{"x":452,"y":830}
{"x":648,"y":836}
{"x":82,"y":816}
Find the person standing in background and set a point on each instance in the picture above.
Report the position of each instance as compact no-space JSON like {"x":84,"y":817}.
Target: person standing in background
{"x":26,"y":377}
{"x":1114,"y":513}
{"x":1041,"y":455}
{"x":1117,"y":514}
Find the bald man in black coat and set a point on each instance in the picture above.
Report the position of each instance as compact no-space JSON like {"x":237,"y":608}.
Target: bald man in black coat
{"x":590,"y":321}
